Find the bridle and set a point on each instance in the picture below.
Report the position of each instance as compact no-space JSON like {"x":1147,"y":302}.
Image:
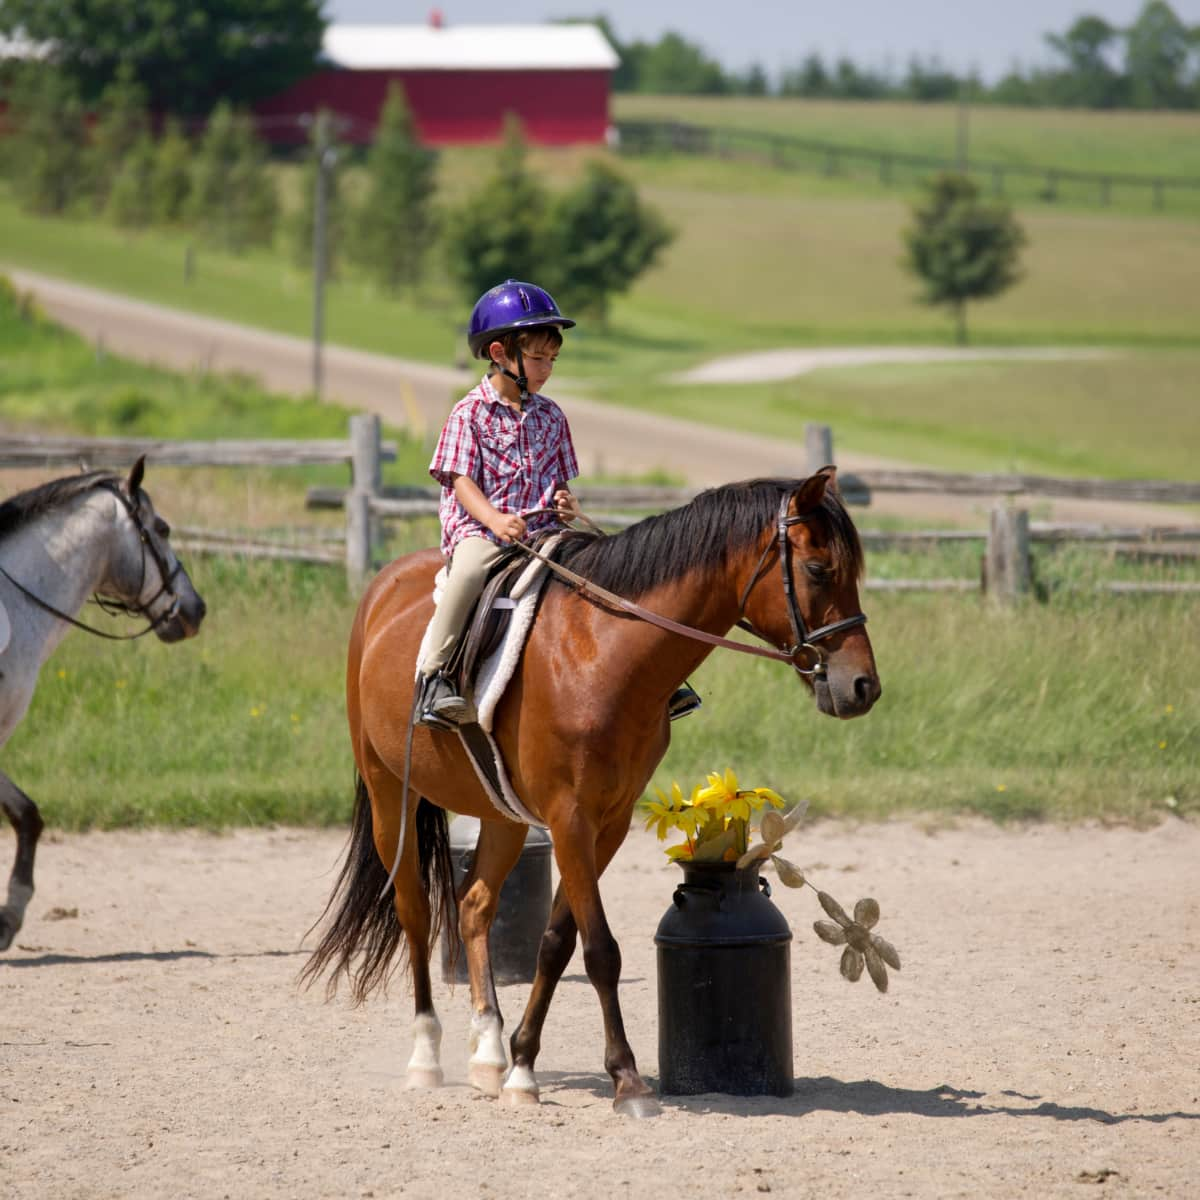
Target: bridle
{"x":107,"y":603}
{"x":802,"y":637}
{"x":804,"y":640}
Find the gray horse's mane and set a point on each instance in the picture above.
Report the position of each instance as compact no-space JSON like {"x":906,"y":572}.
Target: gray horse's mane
{"x":19,"y":510}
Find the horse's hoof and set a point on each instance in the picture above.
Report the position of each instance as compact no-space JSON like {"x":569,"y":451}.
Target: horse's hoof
{"x":7,"y":932}
{"x":638,"y":1107}
{"x":424,"y":1077}
{"x":520,"y":1088}
{"x":485,"y":1078}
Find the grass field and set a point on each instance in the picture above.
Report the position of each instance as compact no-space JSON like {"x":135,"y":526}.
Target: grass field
{"x":1083,"y":709}
{"x":1141,"y":143}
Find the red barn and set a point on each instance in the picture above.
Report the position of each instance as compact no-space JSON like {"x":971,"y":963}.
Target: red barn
{"x":459,"y":82}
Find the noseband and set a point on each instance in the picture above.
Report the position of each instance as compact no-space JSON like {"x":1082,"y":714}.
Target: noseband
{"x":803,"y":639}
{"x":112,"y":606}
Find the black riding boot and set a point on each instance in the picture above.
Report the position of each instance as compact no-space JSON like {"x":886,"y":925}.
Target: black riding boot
{"x":441,"y":706}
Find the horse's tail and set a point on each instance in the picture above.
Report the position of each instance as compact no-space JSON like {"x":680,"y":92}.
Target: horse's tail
{"x":364,"y":924}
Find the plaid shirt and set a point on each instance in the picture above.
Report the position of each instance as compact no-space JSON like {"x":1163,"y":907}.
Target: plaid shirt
{"x":516,"y":458}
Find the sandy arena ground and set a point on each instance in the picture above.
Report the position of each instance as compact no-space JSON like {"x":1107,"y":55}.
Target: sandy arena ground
{"x":1042,"y":1039}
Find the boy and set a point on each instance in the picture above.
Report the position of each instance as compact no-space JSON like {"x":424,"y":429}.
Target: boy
{"x":505,"y":451}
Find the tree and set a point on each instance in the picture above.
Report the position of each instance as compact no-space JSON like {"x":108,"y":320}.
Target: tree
{"x":48,"y":156}
{"x":674,"y":65}
{"x":499,"y":231}
{"x":395,"y":224}
{"x":130,"y":200}
{"x":604,"y":238}
{"x":121,"y":122}
{"x":171,"y":182}
{"x":187,"y":54}
{"x":1157,"y":46}
{"x":1089,"y":80}
{"x":961,"y":247}
{"x":233,"y":197}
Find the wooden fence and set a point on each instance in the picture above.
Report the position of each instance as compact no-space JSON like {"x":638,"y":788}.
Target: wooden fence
{"x":1006,"y":560}
{"x":786,"y":151}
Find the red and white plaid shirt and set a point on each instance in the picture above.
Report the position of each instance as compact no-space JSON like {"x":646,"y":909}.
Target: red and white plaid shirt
{"x":516,"y":458}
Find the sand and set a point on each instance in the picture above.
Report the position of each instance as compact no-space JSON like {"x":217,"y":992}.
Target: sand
{"x":1041,"y":1040}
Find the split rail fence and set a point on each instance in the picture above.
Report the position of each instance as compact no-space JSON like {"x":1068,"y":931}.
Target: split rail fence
{"x":1006,"y":563}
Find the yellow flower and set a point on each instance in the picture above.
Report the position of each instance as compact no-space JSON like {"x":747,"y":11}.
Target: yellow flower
{"x":1002,"y":787}
{"x":673,"y":812}
{"x":1169,"y":709}
{"x":1162,"y":745}
{"x":61,"y":673}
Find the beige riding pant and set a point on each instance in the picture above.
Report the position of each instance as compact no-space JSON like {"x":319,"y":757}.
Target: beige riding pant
{"x":468,"y":570}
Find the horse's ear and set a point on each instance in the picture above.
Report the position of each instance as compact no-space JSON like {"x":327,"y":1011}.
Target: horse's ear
{"x":136,"y":473}
{"x":811,"y":492}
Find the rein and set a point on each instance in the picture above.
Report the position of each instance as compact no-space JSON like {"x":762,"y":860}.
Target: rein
{"x":805,"y":640}
{"x":113,"y":606}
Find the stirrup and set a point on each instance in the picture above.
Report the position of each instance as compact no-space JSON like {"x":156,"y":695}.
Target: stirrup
{"x":441,"y":707}
{"x":684,"y":700}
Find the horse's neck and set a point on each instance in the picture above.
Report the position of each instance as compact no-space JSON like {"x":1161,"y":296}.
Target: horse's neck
{"x":62,"y":557}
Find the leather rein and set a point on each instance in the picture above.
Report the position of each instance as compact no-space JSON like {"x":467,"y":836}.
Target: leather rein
{"x":804,"y":640}
{"x":109,"y":605}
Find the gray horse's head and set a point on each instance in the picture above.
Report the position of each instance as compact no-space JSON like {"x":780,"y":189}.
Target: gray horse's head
{"x":144,"y":574}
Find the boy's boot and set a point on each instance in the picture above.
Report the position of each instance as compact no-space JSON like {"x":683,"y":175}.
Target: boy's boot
{"x":685,"y":699}
{"x":441,"y":706}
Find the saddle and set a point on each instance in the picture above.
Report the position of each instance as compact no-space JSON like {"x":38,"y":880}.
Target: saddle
{"x":493,"y":612}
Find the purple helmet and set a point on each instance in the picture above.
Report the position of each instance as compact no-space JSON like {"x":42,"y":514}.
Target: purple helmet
{"x":509,"y":306}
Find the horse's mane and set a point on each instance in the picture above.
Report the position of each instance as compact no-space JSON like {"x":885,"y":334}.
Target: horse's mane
{"x":19,"y":510}
{"x":700,"y":535}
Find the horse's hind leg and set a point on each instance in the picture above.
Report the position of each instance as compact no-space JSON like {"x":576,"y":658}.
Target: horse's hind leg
{"x":27,"y":823}
{"x":496,"y":853}
{"x":413,"y":912}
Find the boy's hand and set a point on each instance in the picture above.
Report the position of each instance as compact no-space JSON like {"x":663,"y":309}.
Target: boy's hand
{"x":508,"y":527}
{"x":566,"y":506}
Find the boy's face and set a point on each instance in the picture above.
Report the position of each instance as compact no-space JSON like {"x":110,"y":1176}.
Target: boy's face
{"x":539,"y":354}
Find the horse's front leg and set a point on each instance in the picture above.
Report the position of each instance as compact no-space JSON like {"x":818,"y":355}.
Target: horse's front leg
{"x":27,"y":824}
{"x":578,"y":907}
{"x":497,"y":851}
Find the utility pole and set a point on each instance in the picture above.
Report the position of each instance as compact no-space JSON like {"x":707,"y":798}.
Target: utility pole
{"x":326,"y":157}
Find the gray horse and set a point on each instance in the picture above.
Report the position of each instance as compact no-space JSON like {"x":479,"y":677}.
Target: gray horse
{"x":59,"y":543}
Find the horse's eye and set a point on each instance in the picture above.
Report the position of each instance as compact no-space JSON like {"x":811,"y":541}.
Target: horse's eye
{"x":818,"y":572}
{"x":162,"y":528}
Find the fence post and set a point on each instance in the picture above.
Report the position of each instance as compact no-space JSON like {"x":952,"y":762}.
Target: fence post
{"x":1007,"y":572}
{"x":818,"y":447}
{"x":365,"y":481}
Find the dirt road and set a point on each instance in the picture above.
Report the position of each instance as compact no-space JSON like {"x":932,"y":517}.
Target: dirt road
{"x":1041,"y":1039}
{"x":610,"y":439}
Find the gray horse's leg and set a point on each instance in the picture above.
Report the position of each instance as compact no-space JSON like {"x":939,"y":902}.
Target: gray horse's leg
{"x":27,"y":822}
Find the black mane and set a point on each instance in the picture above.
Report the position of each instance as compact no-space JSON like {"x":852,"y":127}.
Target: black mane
{"x":17,"y":511}
{"x":700,"y":535}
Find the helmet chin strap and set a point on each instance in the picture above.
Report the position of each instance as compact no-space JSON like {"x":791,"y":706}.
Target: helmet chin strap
{"x":520,"y":378}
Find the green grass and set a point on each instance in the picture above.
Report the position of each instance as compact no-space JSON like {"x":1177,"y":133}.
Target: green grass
{"x":1087,"y":707}
{"x":1130,"y":414}
{"x":1144,"y":143}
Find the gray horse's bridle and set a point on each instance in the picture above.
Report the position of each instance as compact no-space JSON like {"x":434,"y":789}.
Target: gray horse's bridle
{"x":165,"y":573}
{"x":803,"y":639}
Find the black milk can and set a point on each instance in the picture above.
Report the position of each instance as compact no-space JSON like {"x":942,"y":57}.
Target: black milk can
{"x":522,"y":911}
{"x":724,"y":986}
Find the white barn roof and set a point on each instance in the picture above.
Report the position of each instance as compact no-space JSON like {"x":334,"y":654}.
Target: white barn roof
{"x":471,"y":47}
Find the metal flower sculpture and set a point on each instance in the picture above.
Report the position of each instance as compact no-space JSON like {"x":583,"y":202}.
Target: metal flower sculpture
{"x":862,"y":946}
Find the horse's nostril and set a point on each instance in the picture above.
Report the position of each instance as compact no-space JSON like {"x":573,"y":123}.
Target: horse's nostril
{"x":867,"y":689}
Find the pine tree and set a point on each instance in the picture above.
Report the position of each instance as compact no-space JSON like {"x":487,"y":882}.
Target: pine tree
{"x":171,"y":183}
{"x":961,"y":247}
{"x":395,"y":224}
{"x":499,"y":232}
{"x":50,"y":140}
{"x":121,"y":122}
{"x":233,"y":198}
{"x":131,"y":196}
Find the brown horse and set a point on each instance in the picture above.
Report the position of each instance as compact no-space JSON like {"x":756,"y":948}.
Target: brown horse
{"x":582,"y":727}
